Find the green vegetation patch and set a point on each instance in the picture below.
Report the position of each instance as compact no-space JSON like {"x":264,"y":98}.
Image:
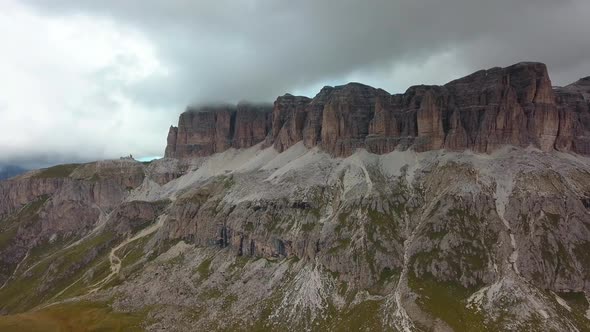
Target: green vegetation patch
{"x":6,"y":236}
{"x":249,"y":227}
{"x":133,"y":252}
{"x":381,"y":228}
{"x":228,"y":301}
{"x":365,"y":316}
{"x":272,"y":223}
{"x":386,"y":275}
{"x":24,"y":217}
{"x":582,"y":253}
{"x":344,"y":222}
{"x":78,"y":316}
{"x":204,"y":268}
{"x":553,"y":219}
{"x":61,"y":272}
{"x":579,"y":305}
{"x":228,"y":181}
{"x":59,"y":171}
{"x":447,"y":301}
{"x":576,"y":300}
{"x":308,"y":227}
{"x":341,"y":244}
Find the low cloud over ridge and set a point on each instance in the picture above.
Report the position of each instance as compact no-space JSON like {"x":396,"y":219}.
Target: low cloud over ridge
{"x":98,"y":79}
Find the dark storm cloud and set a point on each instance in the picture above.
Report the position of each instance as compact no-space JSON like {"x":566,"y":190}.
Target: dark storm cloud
{"x":227,"y":50}
{"x":258,"y":49}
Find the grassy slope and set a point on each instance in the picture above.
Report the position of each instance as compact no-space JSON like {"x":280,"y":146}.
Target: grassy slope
{"x":59,"y":171}
{"x":24,"y":292}
{"x":81,"y":316}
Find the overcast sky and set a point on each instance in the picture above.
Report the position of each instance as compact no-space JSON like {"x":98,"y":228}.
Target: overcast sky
{"x":87,"y":79}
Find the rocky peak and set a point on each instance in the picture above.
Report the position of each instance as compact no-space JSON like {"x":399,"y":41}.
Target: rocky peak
{"x":531,"y":81}
{"x":346,"y":117}
{"x":288,"y":120}
{"x":515,"y":105}
{"x":582,"y":86}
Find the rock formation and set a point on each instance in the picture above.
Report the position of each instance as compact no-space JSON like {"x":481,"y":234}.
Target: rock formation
{"x":288,"y":120}
{"x":482,"y":112}
{"x":205,"y":130}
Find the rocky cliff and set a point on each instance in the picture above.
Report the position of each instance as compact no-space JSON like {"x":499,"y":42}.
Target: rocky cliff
{"x":203,"y":131}
{"x":488,"y":109}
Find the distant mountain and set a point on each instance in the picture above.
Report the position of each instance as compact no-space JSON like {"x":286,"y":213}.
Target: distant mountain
{"x":10,"y":171}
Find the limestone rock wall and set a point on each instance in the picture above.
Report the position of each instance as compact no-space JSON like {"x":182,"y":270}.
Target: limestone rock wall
{"x":206,"y":130}
{"x":483,"y":111}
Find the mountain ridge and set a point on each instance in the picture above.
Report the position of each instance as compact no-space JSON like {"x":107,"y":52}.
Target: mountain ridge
{"x":516,"y":105}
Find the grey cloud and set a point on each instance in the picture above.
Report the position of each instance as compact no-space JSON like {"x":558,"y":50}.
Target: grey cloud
{"x":228,"y":50}
{"x":260,"y":48}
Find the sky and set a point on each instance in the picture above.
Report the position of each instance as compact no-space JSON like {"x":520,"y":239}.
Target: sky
{"x":84,"y":80}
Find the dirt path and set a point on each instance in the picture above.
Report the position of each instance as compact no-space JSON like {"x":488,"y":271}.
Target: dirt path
{"x":101,"y":221}
{"x":116,"y":261}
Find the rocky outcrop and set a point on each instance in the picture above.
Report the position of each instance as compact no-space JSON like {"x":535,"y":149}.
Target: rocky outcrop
{"x":347,"y":116}
{"x":201,"y":132}
{"x":206,"y":130}
{"x":483,"y":111}
{"x":288,"y":120}
{"x":60,"y":203}
{"x":514,"y":105}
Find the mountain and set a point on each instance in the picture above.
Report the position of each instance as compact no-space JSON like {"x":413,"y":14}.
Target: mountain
{"x":9,"y":171}
{"x":481,"y":112}
{"x":463,"y":207}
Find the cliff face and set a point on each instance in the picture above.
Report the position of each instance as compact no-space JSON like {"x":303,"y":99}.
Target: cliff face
{"x":574,"y":116}
{"x":515,"y":105}
{"x":206,"y":130}
{"x":288,"y":120}
{"x":483,"y":111}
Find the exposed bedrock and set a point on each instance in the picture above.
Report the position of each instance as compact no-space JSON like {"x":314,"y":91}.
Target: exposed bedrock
{"x":490,"y":108}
